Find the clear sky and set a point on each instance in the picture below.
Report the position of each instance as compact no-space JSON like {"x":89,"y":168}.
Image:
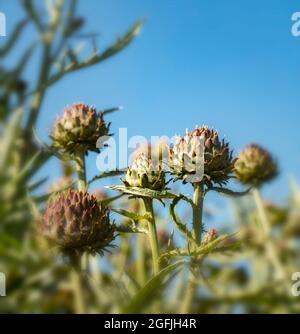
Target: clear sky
{"x":232,"y":64}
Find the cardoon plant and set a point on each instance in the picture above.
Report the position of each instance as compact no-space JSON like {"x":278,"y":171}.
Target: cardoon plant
{"x":201,"y":159}
{"x":148,"y":174}
{"x":81,"y":223}
{"x":255,"y":167}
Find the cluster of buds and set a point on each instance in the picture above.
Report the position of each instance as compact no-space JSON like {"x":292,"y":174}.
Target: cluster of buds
{"x":74,"y":220}
{"x":145,"y":173}
{"x":255,"y":166}
{"x":200,"y":156}
{"x":79,"y":129}
{"x":76,"y":223}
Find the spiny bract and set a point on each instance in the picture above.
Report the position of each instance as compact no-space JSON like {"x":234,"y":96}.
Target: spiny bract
{"x":202,"y":145}
{"x":255,"y":166}
{"x":79,"y":129}
{"x":145,"y":173}
{"x":76,"y":222}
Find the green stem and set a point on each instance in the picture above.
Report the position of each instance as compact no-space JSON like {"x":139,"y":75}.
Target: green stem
{"x":95,"y":269}
{"x":39,"y":96}
{"x":189,"y":296}
{"x":81,"y":171}
{"x":197,"y":233}
{"x":266,"y":227}
{"x":48,"y":39}
{"x":197,"y":212}
{"x":140,"y":265}
{"x":152,"y":235}
{"x":76,"y":280}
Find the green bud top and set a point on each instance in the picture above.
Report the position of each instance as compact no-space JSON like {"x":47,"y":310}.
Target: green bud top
{"x":145,"y":174}
{"x":255,"y":166}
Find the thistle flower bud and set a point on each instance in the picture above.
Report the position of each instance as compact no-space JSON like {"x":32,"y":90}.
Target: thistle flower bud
{"x":145,"y":173}
{"x":210,"y":236}
{"x":202,"y":153}
{"x":75,"y":222}
{"x":255,"y":166}
{"x":79,"y":129}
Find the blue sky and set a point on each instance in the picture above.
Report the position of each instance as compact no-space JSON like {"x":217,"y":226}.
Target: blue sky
{"x":233,"y":65}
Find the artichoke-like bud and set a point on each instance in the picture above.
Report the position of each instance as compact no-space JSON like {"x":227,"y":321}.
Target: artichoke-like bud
{"x":75,"y":222}
{"x":79,"y":129}
{"x":145,"y":173}
{"x":255,"y":166}
{"x":210,"y":236}
{"x":202,"y":154}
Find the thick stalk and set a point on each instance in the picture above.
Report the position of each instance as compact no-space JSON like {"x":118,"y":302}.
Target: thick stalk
{"x":197,"y":212}
{"x":81,"y":171}
{"x":197,"y":233}
{"x":140,"y":265}
{"x":76,"y":280}
{"x":266,"y":227}
{"x":189,"y":295}
{"x":95,"y":270}
{"x":152,"y":234}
